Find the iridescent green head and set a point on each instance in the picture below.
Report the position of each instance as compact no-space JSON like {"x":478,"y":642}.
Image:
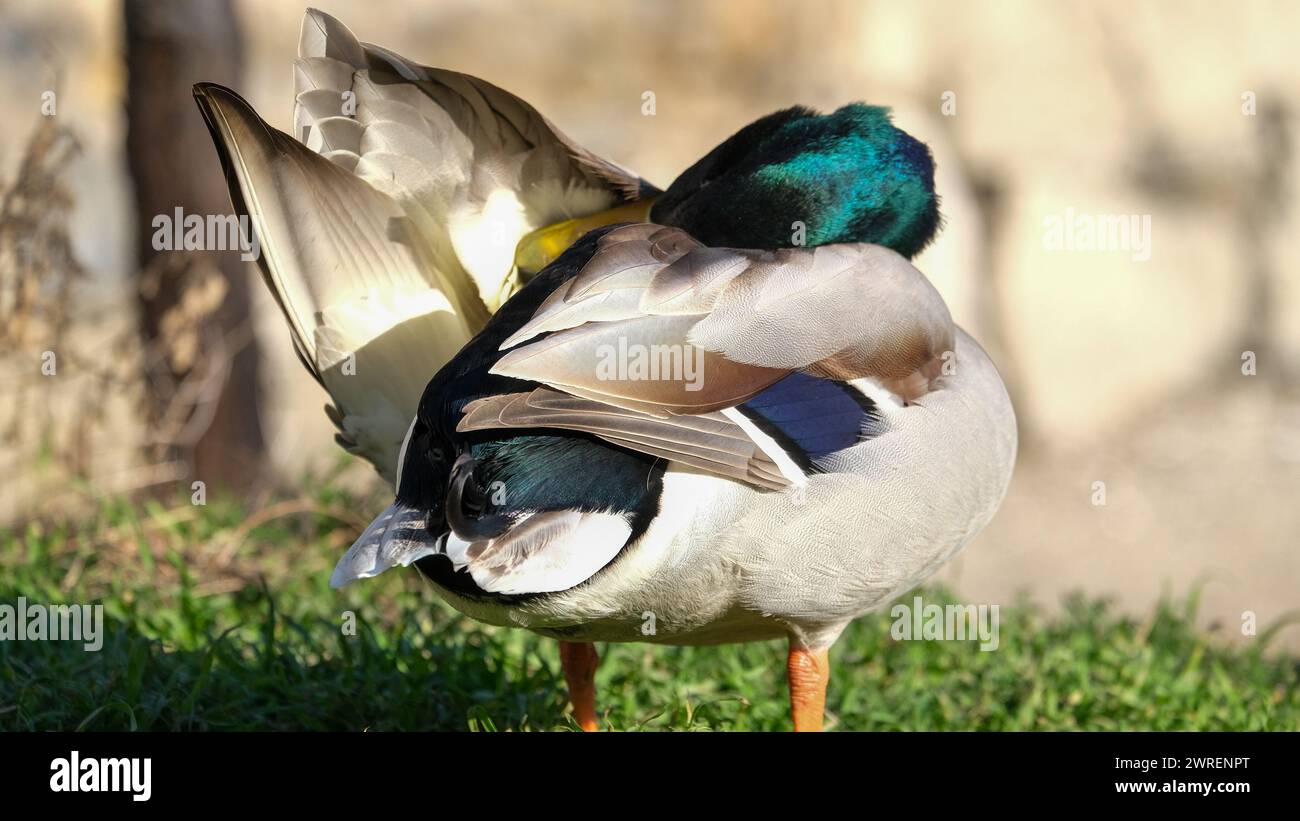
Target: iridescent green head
{"x":850,"y":176}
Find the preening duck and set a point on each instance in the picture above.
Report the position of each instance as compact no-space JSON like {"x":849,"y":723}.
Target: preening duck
{"x":731,"y":411}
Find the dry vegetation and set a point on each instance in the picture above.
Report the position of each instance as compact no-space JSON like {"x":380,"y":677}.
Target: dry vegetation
{"x":65,"y":373}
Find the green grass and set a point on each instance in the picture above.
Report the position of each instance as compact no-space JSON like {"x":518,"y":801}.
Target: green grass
{"x":220,"y":619}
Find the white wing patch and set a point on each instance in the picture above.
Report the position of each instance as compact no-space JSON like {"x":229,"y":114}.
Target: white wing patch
{"x":877,"y":393}
{"x":769,"y":446}
{"x":547,"y":552}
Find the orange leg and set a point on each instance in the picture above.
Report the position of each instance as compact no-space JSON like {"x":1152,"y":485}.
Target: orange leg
{"x":579,"y":660}
{"x":809,"y":670}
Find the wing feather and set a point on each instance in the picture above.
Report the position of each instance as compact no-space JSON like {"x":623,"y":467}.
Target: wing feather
{"x":841,"y":311}
{"x":388,"y":222}
{"x":721,"y":326}
{"x":371,"y":337}
{"x":709,"y":441}
{"x":477,"y":167}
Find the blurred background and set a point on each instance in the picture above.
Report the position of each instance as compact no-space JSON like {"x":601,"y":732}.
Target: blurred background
{"x":1157,"y":397}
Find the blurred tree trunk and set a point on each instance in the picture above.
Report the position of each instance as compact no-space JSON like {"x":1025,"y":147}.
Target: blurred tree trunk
{"x":206,"y":359}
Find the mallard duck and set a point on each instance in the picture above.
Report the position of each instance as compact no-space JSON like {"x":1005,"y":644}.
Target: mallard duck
{"x":731,"y":411}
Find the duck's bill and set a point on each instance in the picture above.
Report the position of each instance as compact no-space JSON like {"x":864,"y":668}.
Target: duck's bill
{"x":396,"y":537}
